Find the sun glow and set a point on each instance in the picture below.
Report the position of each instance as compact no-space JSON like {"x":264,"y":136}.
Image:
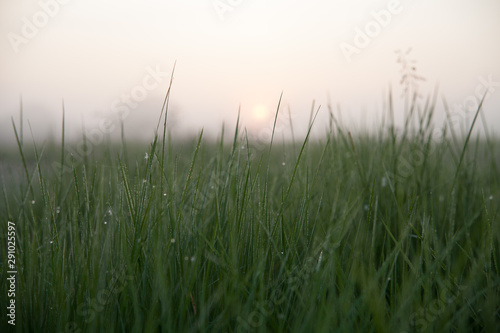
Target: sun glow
{"x":260,"y":112}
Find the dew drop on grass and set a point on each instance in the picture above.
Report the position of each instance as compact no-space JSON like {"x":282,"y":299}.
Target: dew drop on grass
{"x":193,"y":259}
{"x":164,"y":194}
{"x":32,"y":202}
{"x":186,"y":258}
{"x":490,"y":197}
{"x":172,"y":240}
{"x":283,"y":163}
{"x":105,"y":222}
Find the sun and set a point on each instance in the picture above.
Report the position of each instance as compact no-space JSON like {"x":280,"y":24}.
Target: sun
{"x":260,"y":112}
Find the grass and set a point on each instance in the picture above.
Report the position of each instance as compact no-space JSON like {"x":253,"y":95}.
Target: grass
{"x":370,"y":232}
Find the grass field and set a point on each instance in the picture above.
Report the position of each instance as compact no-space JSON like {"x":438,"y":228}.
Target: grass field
{"x":390,"y":231}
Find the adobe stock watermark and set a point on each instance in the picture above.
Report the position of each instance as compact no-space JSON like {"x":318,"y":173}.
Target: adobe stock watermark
{"x":421,"y":319}
{"x":485,"y":88}
{"x":120,"y":107}
{"x":262,"y":137}
{"x":224,"y":6}
{"x":32,"y":26}
{"x":88,"y":310}
{"x":363,"y":37}
{"x":408,"y":164}
{"x":296,"y":278}
{"x":11,"y":273}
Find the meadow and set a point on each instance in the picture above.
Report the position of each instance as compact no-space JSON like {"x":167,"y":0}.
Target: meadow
{"x":395,"y":230}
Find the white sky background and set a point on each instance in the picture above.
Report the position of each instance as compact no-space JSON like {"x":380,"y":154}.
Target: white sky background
{"x":91,"y":52}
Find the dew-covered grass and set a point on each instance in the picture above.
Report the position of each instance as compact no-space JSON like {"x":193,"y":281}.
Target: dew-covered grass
{"x":389,"y":231}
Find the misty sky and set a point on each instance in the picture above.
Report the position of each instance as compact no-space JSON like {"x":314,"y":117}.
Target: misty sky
{"x":106,"y":57}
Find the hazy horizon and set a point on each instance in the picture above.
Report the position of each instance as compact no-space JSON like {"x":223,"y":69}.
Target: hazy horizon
{"x":105,"y":57}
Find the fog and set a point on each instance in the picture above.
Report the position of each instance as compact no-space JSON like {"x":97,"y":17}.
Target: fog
{"x":113,"y":60}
